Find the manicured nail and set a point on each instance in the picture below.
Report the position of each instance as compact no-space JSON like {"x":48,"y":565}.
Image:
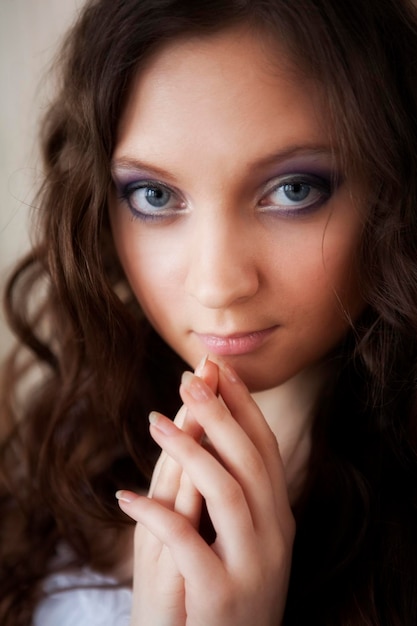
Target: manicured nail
{"x":126,"y":496}
{"x":200,"y":367}
{"x":195,"y":387}
{"x":162,"y":423}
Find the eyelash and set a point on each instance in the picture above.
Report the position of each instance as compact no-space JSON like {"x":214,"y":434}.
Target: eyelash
{"x":322,"y":186}
{"x":129,"y":189}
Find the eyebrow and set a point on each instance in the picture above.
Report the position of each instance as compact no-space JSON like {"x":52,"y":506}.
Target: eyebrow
{"x":131,"y":163}
{"x":305,"y":150}
{"x":298,"y":150}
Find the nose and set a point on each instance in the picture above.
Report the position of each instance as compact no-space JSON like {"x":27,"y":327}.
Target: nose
{"x":222,"y":267}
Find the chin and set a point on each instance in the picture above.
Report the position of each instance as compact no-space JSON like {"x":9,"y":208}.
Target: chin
{"x":259,"y":377}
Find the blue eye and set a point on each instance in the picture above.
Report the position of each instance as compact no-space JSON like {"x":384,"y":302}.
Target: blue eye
{"x":157,"y":197}
{"x":297,"y":194}
{"x":150,"y":200}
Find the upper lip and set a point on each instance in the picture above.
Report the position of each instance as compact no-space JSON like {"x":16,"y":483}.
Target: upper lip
{"x":236,"y":335}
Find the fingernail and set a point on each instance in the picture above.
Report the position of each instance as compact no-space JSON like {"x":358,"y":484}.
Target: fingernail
{"x":200,"y":367}
{"x":162,"y":423}
{"x":195,"y":386}
{"x":126,"y":496}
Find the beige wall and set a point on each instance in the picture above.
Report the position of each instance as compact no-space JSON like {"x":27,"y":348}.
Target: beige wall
{"x":29,"y":33}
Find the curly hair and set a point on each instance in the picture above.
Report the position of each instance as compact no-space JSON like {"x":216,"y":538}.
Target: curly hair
{"x":73,"y":434}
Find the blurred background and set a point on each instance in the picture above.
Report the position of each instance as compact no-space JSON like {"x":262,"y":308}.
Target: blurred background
{"x":30,"y":32}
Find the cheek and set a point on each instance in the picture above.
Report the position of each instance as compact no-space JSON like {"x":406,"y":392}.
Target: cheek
{"x":147,"y":274}
{"x":341,"y":268}
{"x":322,"y":279}
{"x":148,"y":266}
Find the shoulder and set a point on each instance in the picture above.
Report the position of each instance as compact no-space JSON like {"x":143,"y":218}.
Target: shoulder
{"x":83,"y":598}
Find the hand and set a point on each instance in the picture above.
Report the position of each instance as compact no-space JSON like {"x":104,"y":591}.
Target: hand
{"x":159,"y":595}
{"x":242,"y":578}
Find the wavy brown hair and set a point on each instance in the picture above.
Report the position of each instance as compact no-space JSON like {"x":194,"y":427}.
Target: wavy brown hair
{"x":78,"y":431}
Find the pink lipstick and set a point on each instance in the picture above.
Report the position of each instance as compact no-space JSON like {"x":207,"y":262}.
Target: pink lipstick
{"x":235,"y":344}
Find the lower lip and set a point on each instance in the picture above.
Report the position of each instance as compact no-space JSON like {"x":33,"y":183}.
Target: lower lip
{"x":236,"y":344}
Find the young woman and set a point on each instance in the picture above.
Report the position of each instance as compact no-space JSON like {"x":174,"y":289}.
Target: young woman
{"x":229,"y":189}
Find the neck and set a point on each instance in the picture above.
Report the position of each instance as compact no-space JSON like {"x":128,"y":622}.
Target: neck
{"x":288,"y":409}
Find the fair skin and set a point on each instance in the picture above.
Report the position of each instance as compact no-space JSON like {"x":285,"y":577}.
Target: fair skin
{"x":236,"y":232}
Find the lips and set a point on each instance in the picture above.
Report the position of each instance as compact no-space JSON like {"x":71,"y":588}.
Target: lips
{"x":236,"y":343}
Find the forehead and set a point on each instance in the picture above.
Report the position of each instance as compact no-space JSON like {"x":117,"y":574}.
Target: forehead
{"x":229,"y":89}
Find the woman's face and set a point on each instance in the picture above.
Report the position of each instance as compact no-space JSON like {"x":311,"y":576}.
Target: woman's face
{"x":235,"y":228}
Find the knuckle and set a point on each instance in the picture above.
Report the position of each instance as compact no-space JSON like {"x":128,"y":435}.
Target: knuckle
{"x":232,"y":492}
{"x":254,"y":465}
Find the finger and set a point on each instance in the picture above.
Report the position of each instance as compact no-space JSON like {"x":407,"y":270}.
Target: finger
{"x":237,"y":452}
{"x":244,"y":409}
{"x":171,"y":486}
{"x":167,"y":473}
{"x":195,"y":560}
{"x":226,"y":502}
{"x":166,"y":477}
{"x":209,"y":372}
{"x":189,"y":501}
{"x":163,"y":458}
{"x":156,"y":581}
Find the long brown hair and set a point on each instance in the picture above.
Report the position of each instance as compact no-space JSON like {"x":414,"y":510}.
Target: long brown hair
{"x":78,"y":431}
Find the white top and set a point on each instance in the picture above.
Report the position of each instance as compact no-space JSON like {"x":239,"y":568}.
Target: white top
{"x":83,"y":605}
